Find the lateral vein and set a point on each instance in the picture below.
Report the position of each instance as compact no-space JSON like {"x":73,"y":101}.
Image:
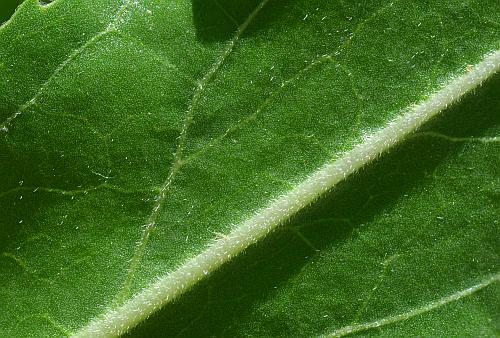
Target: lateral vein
{"x":494,"y":139}
{"x":168,"y":287}
{"x":178,"y":157}
{"x":4,"y":127}
{"x":416,"y":311}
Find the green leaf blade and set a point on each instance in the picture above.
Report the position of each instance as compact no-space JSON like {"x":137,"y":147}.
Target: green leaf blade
{"x":136,"y":167}
{"x":400,"y":247}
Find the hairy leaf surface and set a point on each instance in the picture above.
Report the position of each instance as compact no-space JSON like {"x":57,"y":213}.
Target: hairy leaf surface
{"x":137,"y":135}
{"x":400,"y":249}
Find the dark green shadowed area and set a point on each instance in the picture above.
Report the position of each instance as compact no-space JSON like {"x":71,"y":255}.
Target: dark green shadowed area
{"x":382,"y":243}
{"x":218,"y":20}
{"x":7,"y":8}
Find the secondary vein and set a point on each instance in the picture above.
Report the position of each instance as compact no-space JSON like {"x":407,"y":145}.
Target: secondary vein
{"x":172,"y":285}
{"x":416,"y":311}
{"x":178,"y":162}
{"x":4,"y":127}
{"x":318,"y":61}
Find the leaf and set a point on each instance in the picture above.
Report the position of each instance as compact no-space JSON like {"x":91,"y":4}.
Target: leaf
{"x":147,"y":142}
{"x":407,"y":247}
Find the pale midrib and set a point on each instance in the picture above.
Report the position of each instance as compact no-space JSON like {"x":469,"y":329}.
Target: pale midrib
{"x":351,"y":329}
{"x":165,"y":289}
{"x":178,"y":156}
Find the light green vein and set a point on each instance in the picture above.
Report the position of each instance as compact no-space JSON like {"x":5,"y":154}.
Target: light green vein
{"x":116,"y":321}
{"x":4,"y":127}
{"x":178,"y":157}
{"x":416,"y":311}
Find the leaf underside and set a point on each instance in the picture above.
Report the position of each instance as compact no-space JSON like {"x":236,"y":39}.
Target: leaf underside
{"x":136,"y":133}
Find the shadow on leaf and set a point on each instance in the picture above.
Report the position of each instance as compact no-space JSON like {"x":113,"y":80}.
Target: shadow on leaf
{"x":7,"y":9}
{"x":219,"y":20}
{"x":232,"y":292}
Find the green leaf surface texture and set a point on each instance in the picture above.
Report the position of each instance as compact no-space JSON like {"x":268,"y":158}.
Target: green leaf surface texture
{"x":408,"y":247}
{"x":145,"y":143}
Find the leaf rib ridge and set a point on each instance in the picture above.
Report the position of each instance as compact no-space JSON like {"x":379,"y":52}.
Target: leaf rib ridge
{"x":119,"y":320}
{"x":347,"y":330}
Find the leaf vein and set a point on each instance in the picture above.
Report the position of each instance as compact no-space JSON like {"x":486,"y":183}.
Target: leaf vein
{"x":74,"y":192}
{"x":416,"y":311}
{"x":343,"y":47}
{"x":494,"y":139}
{"x":172,"y":285}
{"x":178,"y":162}
{"x":4,"y":127}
